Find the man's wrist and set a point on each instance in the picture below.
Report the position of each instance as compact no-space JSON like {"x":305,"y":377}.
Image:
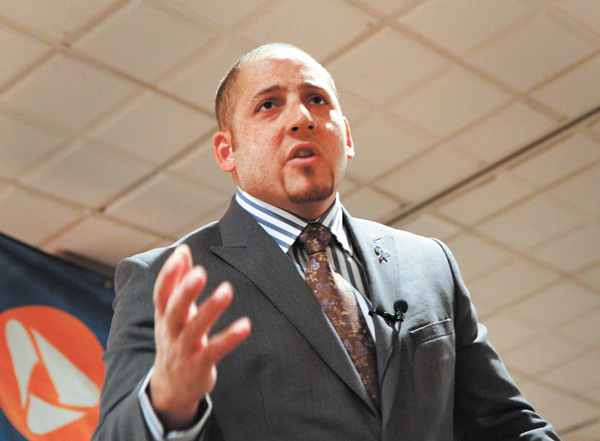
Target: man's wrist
{"x":155,"y":425}
{"x":173,"y":413}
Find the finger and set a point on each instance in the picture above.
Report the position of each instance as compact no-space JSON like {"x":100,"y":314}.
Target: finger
{"x":170,"y":274}
{"x":208,"y":313}
{"x":177,"y":312}
{"x":221,"y":344}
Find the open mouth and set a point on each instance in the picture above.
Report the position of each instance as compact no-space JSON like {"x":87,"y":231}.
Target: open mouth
{"x":304,"y":153}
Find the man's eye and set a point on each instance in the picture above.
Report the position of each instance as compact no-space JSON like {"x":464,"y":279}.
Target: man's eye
{"x":267,"y":105}
{"x":318,"y":100}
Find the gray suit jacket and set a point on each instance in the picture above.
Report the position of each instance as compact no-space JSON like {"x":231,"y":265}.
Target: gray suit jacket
{"x":292,"y":379}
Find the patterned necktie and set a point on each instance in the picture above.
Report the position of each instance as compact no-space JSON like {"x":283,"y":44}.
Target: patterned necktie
{"x":340,"y":306}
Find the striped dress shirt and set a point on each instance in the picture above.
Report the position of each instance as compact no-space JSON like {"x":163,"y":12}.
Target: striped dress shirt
{"x":285,"y":227}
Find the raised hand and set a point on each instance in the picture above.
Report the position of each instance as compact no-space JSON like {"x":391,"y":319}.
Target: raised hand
{"x":185,"y":367}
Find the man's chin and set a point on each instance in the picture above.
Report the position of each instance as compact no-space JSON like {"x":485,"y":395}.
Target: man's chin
{"x":310,"y":195}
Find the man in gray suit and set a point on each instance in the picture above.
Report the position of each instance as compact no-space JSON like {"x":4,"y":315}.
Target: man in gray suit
{"x":432,"y":374}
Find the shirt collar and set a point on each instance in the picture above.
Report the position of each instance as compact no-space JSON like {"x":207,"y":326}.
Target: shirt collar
{"x":285,"y":227}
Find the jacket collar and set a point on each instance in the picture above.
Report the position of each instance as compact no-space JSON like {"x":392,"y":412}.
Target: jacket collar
{"x":249,"y":249}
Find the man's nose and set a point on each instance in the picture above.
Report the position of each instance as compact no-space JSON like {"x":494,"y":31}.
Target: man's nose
{"x":301,"y":119}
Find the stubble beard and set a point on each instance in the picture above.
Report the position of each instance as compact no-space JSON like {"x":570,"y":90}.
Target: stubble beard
{"x":317,"y":192}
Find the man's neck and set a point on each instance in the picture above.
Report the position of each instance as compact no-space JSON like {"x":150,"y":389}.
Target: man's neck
{"x":306,"y":211}
{"x":309,"y":211}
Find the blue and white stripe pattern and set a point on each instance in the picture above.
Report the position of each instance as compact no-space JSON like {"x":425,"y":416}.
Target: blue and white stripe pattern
{"x":285,"y":227}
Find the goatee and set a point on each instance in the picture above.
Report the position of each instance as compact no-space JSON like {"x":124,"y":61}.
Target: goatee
{"x":315,"y":194}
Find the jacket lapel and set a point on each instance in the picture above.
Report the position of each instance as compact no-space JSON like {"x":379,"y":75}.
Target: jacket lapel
{"x":383,"y":279}
{"x":249,"y":249}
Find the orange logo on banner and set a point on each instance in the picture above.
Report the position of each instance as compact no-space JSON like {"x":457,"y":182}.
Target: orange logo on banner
{"x":51,"y":374}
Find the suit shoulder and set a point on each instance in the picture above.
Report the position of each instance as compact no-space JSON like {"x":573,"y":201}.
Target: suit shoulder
{"x":197,"y":240}
{"x":400,"y":236}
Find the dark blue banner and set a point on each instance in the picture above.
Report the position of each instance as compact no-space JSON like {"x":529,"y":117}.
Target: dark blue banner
{"x":54,"y":323}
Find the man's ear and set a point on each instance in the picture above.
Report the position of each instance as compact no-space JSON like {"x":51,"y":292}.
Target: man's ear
{"x":224,"y":150}
{"x":349,"y":142}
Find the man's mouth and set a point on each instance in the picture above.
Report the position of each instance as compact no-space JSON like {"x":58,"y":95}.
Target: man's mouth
{"x":304,"y":153}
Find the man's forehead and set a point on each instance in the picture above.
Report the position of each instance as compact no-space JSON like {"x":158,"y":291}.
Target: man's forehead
{"x":276,"y":68}
{"x":283,"y":53}
{"x":270,"y":74}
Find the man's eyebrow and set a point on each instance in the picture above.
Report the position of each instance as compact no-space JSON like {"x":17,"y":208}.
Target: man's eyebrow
{"x":267,"y":91}
{"x":308,"y":85}
{"x":278,"y":88}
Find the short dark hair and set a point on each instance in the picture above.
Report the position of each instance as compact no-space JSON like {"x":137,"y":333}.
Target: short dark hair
{"x":224,"y":98}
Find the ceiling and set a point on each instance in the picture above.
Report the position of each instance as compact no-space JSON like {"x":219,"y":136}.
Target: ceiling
{"x":475,"y":121}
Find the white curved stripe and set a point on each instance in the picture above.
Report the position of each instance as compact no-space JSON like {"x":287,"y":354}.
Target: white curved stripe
{"x":23,"y":355}
{"x":74,"y":388}
{"x":43,"y":417}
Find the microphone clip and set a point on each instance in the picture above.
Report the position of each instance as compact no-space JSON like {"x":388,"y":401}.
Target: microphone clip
{"x":400,"y":308}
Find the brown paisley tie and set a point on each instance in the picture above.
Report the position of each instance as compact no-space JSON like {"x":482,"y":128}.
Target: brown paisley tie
{"x":340,"y":306}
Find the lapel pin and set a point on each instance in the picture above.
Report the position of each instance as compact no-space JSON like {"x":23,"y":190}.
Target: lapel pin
{"x":382,"y":256}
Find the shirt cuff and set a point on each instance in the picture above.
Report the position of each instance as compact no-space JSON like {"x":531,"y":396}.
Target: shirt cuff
{"x":155,"y":426}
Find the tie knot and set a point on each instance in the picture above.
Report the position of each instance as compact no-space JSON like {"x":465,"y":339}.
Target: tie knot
{"x":315,"y":237}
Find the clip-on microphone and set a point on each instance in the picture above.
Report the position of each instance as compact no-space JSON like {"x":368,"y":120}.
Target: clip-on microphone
{"x":400,"y":308}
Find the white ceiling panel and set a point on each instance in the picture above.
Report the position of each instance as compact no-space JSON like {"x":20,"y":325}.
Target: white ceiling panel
{"x":592,"y":277}
{"x":596,"y":127}
{"x":347,"y":186}
{"x":582,"y":190}
{"x":521,"y":227}
{"x":487,"y":198}
{"x":198,"y":82}
{"x":563,"y":157}
{"x":154,"y":128}
{"x":370,"y":204}
{"x":388,"y":7}
{"x":450,"y":102}
{"x":117,"y":240}
{"x":443,"y":22}
{"x":428,"y":225}
{"x":383,"y":65}
{"x":587,"y":432}
{"x":212,"y":215}
{"x":476,"y":256}
{"x":557,"y":305}
{"x":33,"y":218}
{"x":505,"y":131}
{"x":563,"y":410}
{"x":585,"y":11}
{"x":200,"y":166}
{"x":586,"y":329}
{"x":354,"y":108}
{"x":506,"y":332}
{"x":509,"y":283}
{"x":59,"y":19}
{"x":542,"y":354}
{"x":324,"y":35}
{"x":18,"y":52}
{"x":574,"y":92}
{"x":87,"y":174}
{"x":23,"y":143}
{"x":226,"y":13}
{"x":429,"y":173}
{"x":586,"y":377}
{"x":532,"y":54}
{"x":573,"y":251}
{"x":67,"y":92}
{"x":382,"y":143}
{"x":143,"y":40}
{"x":154,"y":206}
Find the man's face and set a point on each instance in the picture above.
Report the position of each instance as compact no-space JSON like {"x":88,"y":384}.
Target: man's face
{"x":290,"y":141}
